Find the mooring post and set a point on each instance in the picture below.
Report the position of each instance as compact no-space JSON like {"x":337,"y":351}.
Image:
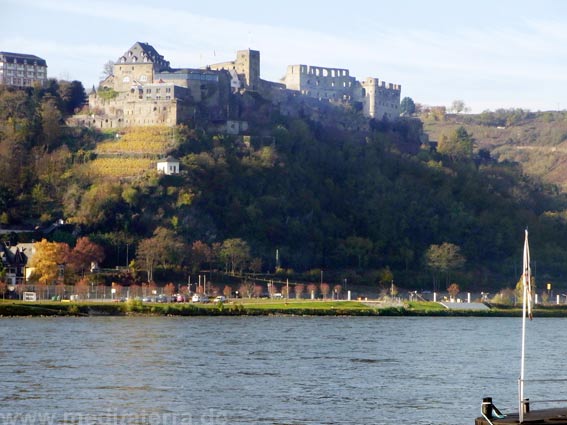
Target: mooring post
{"x":486,"y":408}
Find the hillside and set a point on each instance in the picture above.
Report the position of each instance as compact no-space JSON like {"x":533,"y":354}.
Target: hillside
{"x":366,"y":206}
{"x":537,"y":141}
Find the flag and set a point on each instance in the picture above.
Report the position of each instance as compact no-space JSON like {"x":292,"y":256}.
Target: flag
{"x":527,"y":279}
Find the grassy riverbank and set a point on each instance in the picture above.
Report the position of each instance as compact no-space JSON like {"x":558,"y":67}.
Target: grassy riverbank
{"x":257,"y":308}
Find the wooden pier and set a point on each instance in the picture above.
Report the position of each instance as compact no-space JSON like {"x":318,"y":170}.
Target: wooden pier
{"x":544,"y":416}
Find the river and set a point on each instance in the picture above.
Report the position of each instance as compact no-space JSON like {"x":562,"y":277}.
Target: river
{"x":268,"y":370}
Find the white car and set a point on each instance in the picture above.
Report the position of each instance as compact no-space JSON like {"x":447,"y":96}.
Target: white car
{"x":220,"y":299}
{"x":198,"y":298}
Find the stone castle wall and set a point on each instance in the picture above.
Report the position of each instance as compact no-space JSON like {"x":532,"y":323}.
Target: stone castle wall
{"x":150,"y":92}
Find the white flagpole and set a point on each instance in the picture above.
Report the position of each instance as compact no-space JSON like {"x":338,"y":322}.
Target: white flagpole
{"x":526,"y":309}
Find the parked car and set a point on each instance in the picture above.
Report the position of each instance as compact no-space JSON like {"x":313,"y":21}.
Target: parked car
{"x":198,"y":298}
{"x":220,"y":299}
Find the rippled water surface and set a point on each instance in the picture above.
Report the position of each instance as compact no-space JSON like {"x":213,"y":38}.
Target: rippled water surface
{"x":272,"y":370}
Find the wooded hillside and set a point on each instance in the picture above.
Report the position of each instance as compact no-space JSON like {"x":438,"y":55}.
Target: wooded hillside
{"x":352,"y":205}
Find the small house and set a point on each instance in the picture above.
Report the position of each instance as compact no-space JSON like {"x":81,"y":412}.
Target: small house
{"x":168,"y":166}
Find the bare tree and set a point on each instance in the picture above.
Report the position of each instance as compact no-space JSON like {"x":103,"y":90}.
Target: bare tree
{"x":107,"y":70}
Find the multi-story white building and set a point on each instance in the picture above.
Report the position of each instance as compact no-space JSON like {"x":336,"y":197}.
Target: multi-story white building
{"x":22,"y":70}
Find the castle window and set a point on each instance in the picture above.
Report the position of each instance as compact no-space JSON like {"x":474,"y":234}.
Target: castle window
{"x":143,"y":78}
{"x":148,"y":90}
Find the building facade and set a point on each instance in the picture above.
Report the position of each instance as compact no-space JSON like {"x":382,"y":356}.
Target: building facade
{"x":378,"y":99}
{"x":145,"y":90}
{"x":22,"y":70}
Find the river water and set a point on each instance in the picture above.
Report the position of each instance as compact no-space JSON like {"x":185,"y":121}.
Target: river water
{"x":268,"y":370}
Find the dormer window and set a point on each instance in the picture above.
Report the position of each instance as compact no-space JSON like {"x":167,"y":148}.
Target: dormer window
{"x":130,"y":54}
{"x":134,"y":59}
{"x":122,"y":59}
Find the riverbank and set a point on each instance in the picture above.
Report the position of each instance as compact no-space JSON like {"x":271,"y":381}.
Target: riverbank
{"x":10,"y":308}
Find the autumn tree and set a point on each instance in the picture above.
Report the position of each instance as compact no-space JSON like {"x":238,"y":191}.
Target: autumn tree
{"x":82,"y":288}
{"x":227,"y":291}
{"x":84,"y":254}
{"x":164,"y":248}
{"x":312,"y":290}
{"x":337,"y":290}
{"x":200,"y":254}
{"x":49,"y":261}
{"x":453,"y":290}
{"x":325,"y":289}
{"x":169,"y":289}
{"x":299,"y":289}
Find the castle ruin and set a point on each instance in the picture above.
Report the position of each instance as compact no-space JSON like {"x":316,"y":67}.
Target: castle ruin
{"x":145,"y":90}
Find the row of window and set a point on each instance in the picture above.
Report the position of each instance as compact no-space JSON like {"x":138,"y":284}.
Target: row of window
{"x":333,"y":83}
{"x":18,"y":66}
{"x":21,"y":73}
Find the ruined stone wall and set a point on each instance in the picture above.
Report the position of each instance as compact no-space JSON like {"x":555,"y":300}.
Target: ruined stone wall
{"x":333,"y":84}
{"x":246,"y":65}
{"x":145,"y":108}
{"x":381,"y":99}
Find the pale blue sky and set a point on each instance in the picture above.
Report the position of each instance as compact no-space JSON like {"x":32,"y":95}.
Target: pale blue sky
{"x":489,"y":53}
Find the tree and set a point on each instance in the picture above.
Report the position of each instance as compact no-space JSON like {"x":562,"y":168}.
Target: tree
{"x":169,"y":289}
{"x":51,"y":120}
{"x":443,"y":258}
{"x":235,"y":253}
{"x":407,"y":106}
{"x":458,"y":145}
{"x":72,"y":95}
{"x":453,"y":290}
{"x":200,"y":254}
{"x":107,"y":69}
{"x":325,"y":289}
{"x":298,"y":289}
{"x":49,"y":261}
{"x":227,"y":291}
{"x":458,"y":106}
{"x":337,"y":290}
{"x":358,"y":247}
{"x":146,"y":257}
{"x":82,"y":288}
{"x":84,"y":254}
{"x":312,"y":290}
{"x":246,"y":288}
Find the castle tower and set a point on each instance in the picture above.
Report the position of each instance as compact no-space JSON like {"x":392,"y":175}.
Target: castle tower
{"x":247,"y":63}
{"x":138,"y":65}
{"x":381,"y":100}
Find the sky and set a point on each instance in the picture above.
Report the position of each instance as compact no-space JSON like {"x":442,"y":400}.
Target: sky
{"x":488,"y":53}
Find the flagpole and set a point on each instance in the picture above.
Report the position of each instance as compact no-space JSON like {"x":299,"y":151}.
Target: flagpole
{"x":526,"y":309}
